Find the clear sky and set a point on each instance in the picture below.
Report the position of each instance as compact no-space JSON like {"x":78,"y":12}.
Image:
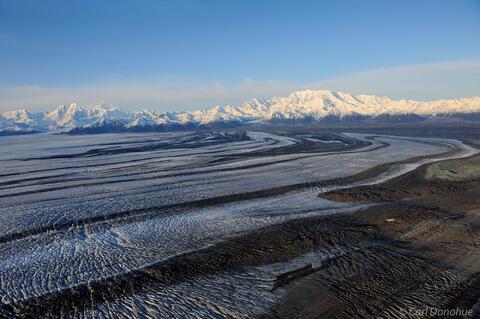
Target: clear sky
{"x":185,"y":54}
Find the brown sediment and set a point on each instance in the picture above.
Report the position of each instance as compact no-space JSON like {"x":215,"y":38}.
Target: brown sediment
{"x":285,"y":278}
{"x":431,"y":257}
{"x":424,"y":181}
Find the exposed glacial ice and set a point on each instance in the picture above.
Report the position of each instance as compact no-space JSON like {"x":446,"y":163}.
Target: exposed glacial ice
{"x":76,"y":210}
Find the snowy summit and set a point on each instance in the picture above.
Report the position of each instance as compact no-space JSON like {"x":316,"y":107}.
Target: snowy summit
{"x":299,"y":107}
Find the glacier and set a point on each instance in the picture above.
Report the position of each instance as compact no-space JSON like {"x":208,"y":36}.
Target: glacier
{"x":88,"y":221}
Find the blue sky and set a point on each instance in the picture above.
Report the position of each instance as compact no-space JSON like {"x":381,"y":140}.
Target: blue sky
{"x":180,"y":54}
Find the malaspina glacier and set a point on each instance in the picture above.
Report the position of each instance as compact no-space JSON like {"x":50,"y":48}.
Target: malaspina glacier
{"x":233,"y":223}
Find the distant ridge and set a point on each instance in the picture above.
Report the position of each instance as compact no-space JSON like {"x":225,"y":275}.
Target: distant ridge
{"x":308,"y":106}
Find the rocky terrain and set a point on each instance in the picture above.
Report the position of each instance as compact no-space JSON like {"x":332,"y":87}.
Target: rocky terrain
{"x":426,"y":256}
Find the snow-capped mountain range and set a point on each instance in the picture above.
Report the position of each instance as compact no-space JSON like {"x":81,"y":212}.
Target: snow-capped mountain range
{"x":299,"y":107}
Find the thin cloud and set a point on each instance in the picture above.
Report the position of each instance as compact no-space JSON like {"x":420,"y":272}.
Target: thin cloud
{"x":159,"y":96}
{"x":452,"y":79}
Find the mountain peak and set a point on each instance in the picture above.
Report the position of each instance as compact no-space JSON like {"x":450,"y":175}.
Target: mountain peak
{"x":310,"y":92}
{"x":309,"y":105}
{"x":16,"y":113}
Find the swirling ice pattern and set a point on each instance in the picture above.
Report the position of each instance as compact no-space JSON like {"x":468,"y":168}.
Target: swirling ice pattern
{"x":78,"y":210}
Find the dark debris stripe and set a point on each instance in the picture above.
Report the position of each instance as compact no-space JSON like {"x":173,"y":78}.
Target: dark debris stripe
{"x":382,"y":145}
{"x":160,"y":210}
{"x":192,"y":143}
{"x":109,"y":163}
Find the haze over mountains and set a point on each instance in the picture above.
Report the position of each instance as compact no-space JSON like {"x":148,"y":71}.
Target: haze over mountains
{"x":301,"y":107}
